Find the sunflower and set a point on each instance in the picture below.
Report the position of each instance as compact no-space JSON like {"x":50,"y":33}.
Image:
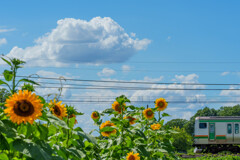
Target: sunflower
{"x":161,"y":104}
{"x":23,"y":107}
{"x":73,"y":115}
{"x":95,"y":116}
{"x":156,"y":126}
{"x":57,"y":109}
{"x":131,"y":119}
{"x":131,"y":156}
{"x":108,"y":133}
{"x":117,"y":107}
{"x":148,"y":113}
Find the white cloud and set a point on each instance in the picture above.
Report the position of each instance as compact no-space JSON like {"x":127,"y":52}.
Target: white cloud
{"x":148,"y":79}
{"x":187,"y":115}
{"x":6,"y":30}
{"x":106,"y":72}
{"x":3,"y":41}
{"x":100,"y":40}
{"x":230,"y":92}
{"x":169,"y":38}
{"x":224,"y":73}
{"x":133,"y":34}
{"x":193,"y":78}
{"x":126,"y":68}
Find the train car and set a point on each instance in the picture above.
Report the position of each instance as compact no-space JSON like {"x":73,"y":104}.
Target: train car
{"x":215,"y":134}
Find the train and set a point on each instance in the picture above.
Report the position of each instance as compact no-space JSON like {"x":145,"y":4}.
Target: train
{"x":217,"y":133}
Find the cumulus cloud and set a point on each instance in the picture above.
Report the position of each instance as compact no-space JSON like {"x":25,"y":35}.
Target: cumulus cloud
{"x":3,"y":41}
{"x":100,"y":40}
{"x":224,"y":73}
{"x":106,"y":72}
{"x":191,"y":78}
{"x":6,"y":30}
{"x":148,"y":79}
{"x":126,"y":68}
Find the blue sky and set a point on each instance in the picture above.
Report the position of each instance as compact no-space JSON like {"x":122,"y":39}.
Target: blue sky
{"x":156,"y":41}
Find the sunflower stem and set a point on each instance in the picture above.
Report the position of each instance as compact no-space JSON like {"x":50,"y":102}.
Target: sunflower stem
{"x":14,"y":76}
{"x":122,"y":130}
{"x":159,"y":118}
{"x":67,"y":131}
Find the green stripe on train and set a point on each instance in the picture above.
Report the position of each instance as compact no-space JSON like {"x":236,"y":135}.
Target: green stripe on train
{"x":221,"y":137}
{"x":219,"y":120}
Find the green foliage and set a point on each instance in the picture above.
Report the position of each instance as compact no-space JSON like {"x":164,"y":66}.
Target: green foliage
{"x":176,"y":123}
{"x":4,"y":93}
{"x":29,"y":87}
{"x":229,"y":111}
{"x":215,"y":157}
{"x":182,"y":141}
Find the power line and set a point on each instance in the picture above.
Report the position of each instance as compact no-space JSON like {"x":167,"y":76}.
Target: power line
{"x":110,"y":61}
{"x":130,"y":82}
{"x":67,"y":101}
{"x":141,"y":88}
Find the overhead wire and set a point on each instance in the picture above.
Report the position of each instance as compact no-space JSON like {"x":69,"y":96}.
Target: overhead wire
{"x":130,"y":82}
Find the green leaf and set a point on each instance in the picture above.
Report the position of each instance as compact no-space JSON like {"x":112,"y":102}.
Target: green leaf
{"x":43,"y":131}
{"x":87,"y":136}
{"x":165,"y":115}
{"x":27,"y":80}
{"x":3,"y":156}
{"x":9,"y":63}
{"x":109,"y":110}
{"x":56,"y":121}
{"x":132,"y":107}
{"x":107,"y":129}
{"x":7,"y":127}
{"x":71,"y":122}
{"x":4,"y":143}
{"x":8,"y":75}
{"x":76,"y":152}
{"x":115,"y":120}
{"x":143,"y":151}
{"x":60,"y":151}
{"x":2,"y":82}
{"x":42,"y":99}
{"x":30,"y":149}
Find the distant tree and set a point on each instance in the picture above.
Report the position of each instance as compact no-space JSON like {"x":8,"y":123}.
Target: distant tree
{"x":229,"y":111}
{"x":176,"y":123}
{"x":4,"y":95}
{"x":182,"y":141}
{"x":189,"y":126}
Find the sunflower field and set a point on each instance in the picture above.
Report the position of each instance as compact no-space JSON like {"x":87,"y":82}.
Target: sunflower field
{"x":34,"y":128}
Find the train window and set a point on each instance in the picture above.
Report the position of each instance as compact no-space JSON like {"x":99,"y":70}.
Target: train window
{"x":229,"y":128}
{"x":202,"y":125}
{"x":236,"y":128}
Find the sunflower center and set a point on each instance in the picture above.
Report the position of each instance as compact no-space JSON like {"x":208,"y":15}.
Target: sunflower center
{"x":95,"y":115}
{"x":57,"y":110}
{"x":131,"y":157}
{"x":149,"y":113}
{"x":23,"y":108}
{"x":160,"y":104}
{"x":118,"y":108}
